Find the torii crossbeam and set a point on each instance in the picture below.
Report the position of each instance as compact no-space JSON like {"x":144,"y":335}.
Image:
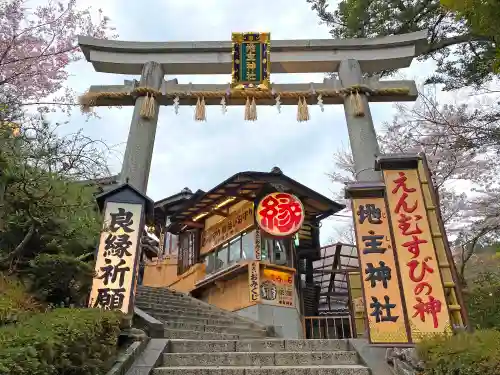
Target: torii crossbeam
{"x":350,"y":58}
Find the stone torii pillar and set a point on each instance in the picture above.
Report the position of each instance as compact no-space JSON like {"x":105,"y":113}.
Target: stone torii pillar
{"x":141,"y":138}
{"x":351,"y":58}
{"x":362,"y":137}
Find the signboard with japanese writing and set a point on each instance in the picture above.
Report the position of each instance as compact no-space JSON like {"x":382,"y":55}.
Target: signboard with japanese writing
{"x":420,"y":275}
{"x":113,"y":284}
{"x":251,"y":60}
{"x":384,"y":304}
{"x":236,"y":222}
{"x":258,"y":244}
{"x":276,"y":287}
{"x":280,"y":214}
{"x":161,"y":244}
{"x":254,"y":282}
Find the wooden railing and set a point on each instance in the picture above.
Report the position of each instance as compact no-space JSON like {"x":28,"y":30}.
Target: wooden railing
{"x":328,"y":327}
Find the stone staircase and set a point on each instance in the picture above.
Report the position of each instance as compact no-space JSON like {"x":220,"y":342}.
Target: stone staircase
{"x":205,"y":340}
{"x":185,"y":317}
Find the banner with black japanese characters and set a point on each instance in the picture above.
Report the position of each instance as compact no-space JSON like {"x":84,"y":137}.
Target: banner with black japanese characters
{"x":254,"y":281}
{"x":377,"y":256}
{"x":112,"y":286}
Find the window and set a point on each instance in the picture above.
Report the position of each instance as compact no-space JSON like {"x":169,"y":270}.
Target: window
{"x":274,"y":251}
{"x":171,"y":241}
{"x":187,"y":250}
{"x":266,"y":249}
{"x":171,"y":244}
{"x":210,"y":263}
{"x":279,"y":252}
{"x":235,"y":250}
{"x":222,"y":258}
{"x":247,"y":245}
{"x":239,"y":248}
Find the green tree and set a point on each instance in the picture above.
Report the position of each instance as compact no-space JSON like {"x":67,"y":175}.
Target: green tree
{"x":43,"y":208}
{"x":61,"y":280}
{"x":482,"y":16}
{"x":464,"y":56}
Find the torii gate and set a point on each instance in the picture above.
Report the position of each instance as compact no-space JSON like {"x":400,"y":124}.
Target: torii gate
{"x":351,"y":58}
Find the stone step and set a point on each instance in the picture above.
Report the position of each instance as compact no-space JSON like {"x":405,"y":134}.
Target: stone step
{"x":232,"y":329}
{"x":197,"y":335}
{"x":197,"y":320}
{"x":167,"y":302}
{"x":176,"y":310}
{"x":256,"y":345}
{"x":175,"y":305}
{"x":260,"y":359}
{"x":181,"y":304}
{"x":146,"y":294}
{"x":188,"y":302}
{"x":265,"y":370}
{"x":183,"y":313}
{"x":158,"y":290}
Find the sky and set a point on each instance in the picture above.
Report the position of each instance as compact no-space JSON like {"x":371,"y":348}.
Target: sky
{"x":199,"y":155}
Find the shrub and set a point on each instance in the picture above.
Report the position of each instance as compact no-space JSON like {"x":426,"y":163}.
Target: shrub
{"x":60,"y":279}
{"x":475,"y":353}
{"x":483,"y":305}
{"x":62,"y":341}
{"x":15,"y":303}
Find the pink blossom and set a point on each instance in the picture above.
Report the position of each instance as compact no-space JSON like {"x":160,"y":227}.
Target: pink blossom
{"x":37,"y":45}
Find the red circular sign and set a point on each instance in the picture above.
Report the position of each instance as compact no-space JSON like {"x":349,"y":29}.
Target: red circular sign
{"x":280,"y":214}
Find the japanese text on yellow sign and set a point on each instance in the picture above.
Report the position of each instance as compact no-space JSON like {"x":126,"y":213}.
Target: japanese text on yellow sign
{"x":116,"y":258}
{"x":236,"y":222}
{"x":383,"y":306}
{"x":254,"y":281}
{"x":277,"y":288}
{"x":420,"y":275}
{"x":258,"y":244}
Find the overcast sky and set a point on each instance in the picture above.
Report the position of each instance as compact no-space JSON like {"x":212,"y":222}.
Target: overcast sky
{"x":200,"y":155}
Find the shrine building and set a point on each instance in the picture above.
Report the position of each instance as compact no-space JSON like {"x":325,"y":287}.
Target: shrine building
{"x":215,"y":246}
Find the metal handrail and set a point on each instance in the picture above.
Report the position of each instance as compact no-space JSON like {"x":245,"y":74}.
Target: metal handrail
{"x":328,"y":327}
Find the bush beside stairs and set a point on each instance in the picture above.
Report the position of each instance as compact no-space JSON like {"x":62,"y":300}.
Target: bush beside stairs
{"x":206,"y":340}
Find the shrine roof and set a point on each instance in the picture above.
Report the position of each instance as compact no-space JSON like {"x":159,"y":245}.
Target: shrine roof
{"x":102,"y":184}
{"x":173,"y":200}
{"x":166,"y":206}
{"x":148,"y":203}
{"x":248,"y":186}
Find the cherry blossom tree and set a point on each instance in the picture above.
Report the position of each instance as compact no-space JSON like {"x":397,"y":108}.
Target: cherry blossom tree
{"x":37,"y":45}
{"x":461,"y":151}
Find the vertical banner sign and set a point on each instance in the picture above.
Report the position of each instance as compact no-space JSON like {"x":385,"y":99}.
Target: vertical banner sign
{"x":254,"y":281}
{"x":420,"y":275}
{"x":113,"y":284}
{"x":161,"y":244}
{"x":384,"y":304}
{"x":251,"y":63}
{"x":258,"y":244}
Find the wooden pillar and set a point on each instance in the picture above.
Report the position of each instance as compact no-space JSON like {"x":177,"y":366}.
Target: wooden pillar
{"x":141,"y":138}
